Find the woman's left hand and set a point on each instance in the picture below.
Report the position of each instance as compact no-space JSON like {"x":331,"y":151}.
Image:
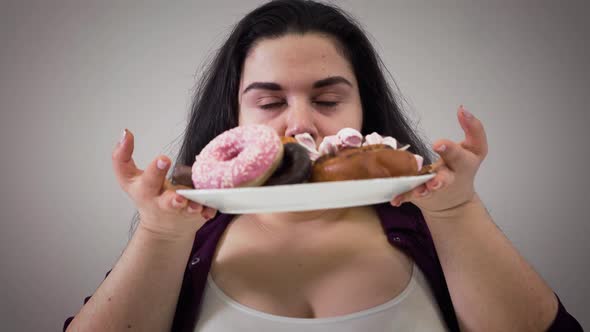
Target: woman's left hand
{"x":453,"y":185}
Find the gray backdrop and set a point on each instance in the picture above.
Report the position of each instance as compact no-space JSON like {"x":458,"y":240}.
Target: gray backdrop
{"x":74,"y":74}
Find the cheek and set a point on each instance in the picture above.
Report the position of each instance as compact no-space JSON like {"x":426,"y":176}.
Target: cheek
{"x":250,"y":116}
{"x":351,"y":118}
{"x":327,"y":126}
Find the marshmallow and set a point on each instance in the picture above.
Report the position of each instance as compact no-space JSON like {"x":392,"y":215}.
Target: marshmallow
{"x":330,"y":144}
{"x":307,"y":141}
{"x":350,"y":137}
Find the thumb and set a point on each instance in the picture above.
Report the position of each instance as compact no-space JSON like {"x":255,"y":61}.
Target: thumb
{"x":452,"y":154}
{"x":152,"y":179}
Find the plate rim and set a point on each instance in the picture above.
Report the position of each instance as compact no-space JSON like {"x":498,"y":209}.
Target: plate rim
{"x":216,"y":196}
{"x":299,"y":185}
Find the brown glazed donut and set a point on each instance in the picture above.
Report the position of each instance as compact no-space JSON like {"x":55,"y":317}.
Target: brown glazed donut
{"x":367,"y":162}
{"x":294,"y":168}
{"x":181,"y":174}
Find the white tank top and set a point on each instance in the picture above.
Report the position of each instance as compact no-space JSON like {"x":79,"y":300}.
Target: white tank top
{"x":414,"y":309}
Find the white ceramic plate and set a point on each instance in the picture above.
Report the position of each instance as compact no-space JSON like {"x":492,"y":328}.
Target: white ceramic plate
{"x":306,"y":196}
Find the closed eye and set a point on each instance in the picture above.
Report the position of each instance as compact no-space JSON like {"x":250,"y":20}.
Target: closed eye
{"x":271,"y":105}
{"x":279,"y":104}
{"x":327,"y":103}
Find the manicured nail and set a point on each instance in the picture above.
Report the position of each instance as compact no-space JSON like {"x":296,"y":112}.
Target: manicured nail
{"x":162,"y":164}
{"x":441,"y":148}
{"x":123,"y":136}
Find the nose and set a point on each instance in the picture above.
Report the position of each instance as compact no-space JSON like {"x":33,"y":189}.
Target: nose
{"x":300,"y":120}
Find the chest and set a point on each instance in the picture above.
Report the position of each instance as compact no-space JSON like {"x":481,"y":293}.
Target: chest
{"x":321,"y":277}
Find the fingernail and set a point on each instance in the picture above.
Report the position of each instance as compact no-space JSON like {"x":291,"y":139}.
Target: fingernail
{"x":423,"y":190}
{"x":177,"y":202}
{"x":194,"y":207}
{"x":436,"y":184}
{"x":441,"y":148}
{"x":123,"y":136}
{"x":210,"y":213}
{"x":466,"y":113}
{"x":161,"y":164}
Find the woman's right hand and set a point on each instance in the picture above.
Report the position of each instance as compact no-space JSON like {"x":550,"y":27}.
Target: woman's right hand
{"x":161,"y":210}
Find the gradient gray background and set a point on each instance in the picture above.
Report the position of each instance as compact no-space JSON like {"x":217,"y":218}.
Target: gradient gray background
{"x":74,"y":75}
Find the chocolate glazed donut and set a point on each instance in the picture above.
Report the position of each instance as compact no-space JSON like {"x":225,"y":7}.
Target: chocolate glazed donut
{"x":294,"y":168}
{"x":182,"y":175}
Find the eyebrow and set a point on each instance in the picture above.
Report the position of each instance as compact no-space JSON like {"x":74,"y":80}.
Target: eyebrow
{"x":332,"y":80}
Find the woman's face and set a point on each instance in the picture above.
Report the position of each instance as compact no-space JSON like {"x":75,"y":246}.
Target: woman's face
{"x":299,"y":84}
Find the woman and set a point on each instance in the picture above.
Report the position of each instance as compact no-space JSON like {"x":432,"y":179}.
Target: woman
{"x":435,"y":263}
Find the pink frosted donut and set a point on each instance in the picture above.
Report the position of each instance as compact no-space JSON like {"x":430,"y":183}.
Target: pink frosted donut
{"x":240,"y":157}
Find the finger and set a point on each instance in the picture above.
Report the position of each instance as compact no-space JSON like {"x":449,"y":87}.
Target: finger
{"x":420,"y":192}
{"x":400,"y":199}
{"x":475,"y":135}
{"x":208,"y":212}
{"x":153,"y":178}
{"x":123,"y":164}
{"x":396,"y":201}
{"x":172,"y":201}
{"x":453,"y":155}
{"x":177,"y":202}
{"x":169,"y":200}
{"x":195,"y":208}
{"x":444,"y":177}
{"x":190,"y":207}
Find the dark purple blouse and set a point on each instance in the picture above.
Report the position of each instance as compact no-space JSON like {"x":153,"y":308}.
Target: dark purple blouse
{"x":405,"y":229}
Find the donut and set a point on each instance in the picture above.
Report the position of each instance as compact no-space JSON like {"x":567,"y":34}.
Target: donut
{"x":366,"y":162}
{"x":244,"y":156}
{"x":294,"y":168}
{"x":182,"y":175}
{"x":288,"y":139}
